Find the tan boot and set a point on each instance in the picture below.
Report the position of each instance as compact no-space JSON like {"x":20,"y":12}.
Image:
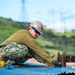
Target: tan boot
{"x":57,"y":56}
{"x":10,"y":62}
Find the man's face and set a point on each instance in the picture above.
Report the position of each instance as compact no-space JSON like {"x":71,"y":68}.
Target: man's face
{"x":34,"y":33}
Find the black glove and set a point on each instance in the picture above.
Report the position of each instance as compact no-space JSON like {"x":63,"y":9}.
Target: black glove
{"x":56,"y":64}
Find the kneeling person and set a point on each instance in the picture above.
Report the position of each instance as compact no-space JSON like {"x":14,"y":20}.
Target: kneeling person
{"x":22,"y":45}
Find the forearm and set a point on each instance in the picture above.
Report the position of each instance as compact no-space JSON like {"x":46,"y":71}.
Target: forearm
{"x":34,"y":47}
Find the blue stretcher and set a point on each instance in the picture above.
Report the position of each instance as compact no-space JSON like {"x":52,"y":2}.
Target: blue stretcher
{"x":34,"y":69}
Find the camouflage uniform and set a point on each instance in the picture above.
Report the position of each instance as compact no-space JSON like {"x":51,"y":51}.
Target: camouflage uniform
{"x":18,"y":53}
{"x":14,"y":51}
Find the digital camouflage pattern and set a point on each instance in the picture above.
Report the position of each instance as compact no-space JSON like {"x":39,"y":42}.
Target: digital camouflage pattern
{"x":15,"y":51}
{"x":19,"y":53}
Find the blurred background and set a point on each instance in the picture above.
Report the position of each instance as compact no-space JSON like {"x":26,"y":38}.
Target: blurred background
{"x":58,"y":17}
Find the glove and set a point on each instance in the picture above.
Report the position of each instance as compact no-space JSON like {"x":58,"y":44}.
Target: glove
{"x":56,"y":64}
{"x":2,"y":64}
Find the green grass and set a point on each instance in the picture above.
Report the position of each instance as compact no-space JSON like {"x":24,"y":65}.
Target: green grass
{"x":43,"y":42}
{"x":52,"y":48}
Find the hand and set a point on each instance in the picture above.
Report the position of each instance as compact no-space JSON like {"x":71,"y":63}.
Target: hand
{"x":56,"y":64}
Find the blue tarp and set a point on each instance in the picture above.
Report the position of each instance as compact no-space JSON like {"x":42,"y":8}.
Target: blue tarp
{"x":36,"y":70}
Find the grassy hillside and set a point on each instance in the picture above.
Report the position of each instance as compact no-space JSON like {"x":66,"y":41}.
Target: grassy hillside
{"x":8,"y":27}
{"x":51,"y":40}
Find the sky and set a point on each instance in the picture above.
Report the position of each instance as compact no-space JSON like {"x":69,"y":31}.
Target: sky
{"x":55,"y":14}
